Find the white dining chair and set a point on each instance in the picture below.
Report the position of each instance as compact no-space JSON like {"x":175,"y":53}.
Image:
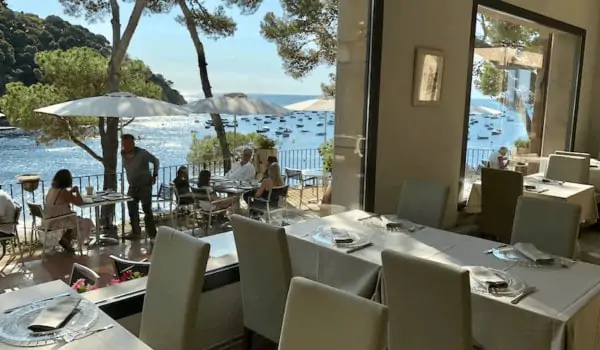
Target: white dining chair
{"x":429,"y":304}
{"x":575,"y":154}
{"x":568,"y":169}
{"x":173,"y":291}
{"x":423,"y":202}
{"x":551,"y":225}
{"x":265,"y":274}
{"x":319,"y":317}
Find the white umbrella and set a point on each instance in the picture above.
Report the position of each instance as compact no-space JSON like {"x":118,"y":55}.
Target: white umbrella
{"x":235,"y":104}
{"x":325,"y":104}
{"x":115,"y":105}
{"x":318,"y":105}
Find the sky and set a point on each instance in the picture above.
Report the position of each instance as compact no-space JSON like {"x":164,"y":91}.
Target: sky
{"x":243,"y":63}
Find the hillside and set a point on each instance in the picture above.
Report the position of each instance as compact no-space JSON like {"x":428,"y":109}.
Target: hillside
{"x":22,"y":35}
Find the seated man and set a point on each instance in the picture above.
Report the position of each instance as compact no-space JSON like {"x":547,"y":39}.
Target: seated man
{"x":8,"y":208}
{"x":498,"y":159}
{"x":244,"y":170}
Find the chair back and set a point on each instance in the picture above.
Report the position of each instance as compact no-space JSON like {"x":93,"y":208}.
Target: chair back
{"x":276,"y":193}
{"x":552,"y":226}
{"x":575,"y":154}
{"x":121,"y":266}
{"x":265,"y":274}
{"x":295,"y":174}
{"x":409,"y":302}
{"x":322,"y":317}
{"x":500,"y":190}
{"x":83,"y":272}
{"x":36,"y":210}
{"x":423,"y":202}
{"x":165,"y":192}
{"x":173,"y":293}
{"x":568,"y":169}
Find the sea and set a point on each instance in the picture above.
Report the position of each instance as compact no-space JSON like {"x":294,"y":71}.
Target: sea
{"x":169,"y":138}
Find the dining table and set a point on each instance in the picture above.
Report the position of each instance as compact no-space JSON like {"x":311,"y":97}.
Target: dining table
{"x":116,"y":337}
{"x":96,"y":202}
{"x":564,"y":312}
{"x":574,"y":193}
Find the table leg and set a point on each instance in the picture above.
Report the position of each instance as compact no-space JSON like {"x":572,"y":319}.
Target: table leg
{"x":101,"y":239}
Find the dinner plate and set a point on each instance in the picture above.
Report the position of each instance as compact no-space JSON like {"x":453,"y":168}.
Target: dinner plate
{"x":14,"y":326}
{"x":515,"y":285}
{"x":326,"y":236}
{"x":511,"y":254}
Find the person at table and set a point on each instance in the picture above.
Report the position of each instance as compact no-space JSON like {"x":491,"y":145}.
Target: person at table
{"x":182,"y":185}
{"x":243,"y":170}
{"x":498,"y":159}
{"x":59,"y":199}
{"x":8,"y":209}
{"x":136,"y":162}
{"x":267,"y":184}
{"x":270,"y":161}
{"x":205,"y":192}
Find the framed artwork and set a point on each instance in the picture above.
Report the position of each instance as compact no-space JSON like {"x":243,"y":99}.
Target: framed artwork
{"x":427,"y":81}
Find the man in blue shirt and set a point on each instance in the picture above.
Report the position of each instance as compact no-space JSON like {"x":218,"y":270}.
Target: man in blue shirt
{"x":136,"y":162}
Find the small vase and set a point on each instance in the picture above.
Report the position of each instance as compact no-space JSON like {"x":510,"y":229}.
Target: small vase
{"x":30,"y":182}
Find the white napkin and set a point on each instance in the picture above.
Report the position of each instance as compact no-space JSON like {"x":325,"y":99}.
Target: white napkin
{"x":341,"y":235}
{"x":88,"y":200}
{"x":488,"y":277}
{"x":530,"y":251}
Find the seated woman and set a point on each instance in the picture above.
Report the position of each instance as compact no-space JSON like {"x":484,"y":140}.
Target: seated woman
{"x":205,"y":192}
{"x":267,"y":184}
{"x":58,"y":202}
{"x":182,"y":184}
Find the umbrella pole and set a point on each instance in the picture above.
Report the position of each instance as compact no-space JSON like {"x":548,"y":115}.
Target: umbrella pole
{"x":234,"y":129}
{"x":122,"y":181}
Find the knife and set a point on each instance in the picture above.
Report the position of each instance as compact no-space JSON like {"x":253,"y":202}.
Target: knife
{"x":360,"y":247}
{"x":37,"y":301}
{"x":527,"y":291}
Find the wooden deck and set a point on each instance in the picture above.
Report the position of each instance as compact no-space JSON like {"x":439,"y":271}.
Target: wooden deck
{"x":57,"y":264}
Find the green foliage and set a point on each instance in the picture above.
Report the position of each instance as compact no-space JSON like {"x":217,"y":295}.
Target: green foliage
{"x":60,"y":84}
{"x":523,"y":143}
{"x":264,"y":142}
{"x":23,"y":36}
{"x":326,"y":152}
{"x":305,"y":35}
{"x":489,"y":79}
{"x":207,"y":149}
{"x":499,"y":33}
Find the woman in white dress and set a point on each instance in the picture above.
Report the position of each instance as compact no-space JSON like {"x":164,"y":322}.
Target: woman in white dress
{"x":58,"y":202}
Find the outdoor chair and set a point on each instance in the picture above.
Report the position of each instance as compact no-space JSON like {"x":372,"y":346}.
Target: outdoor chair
{"x":271,"y":204}
{"x":36,"y":210}
{"x":302,"y":182}
{"x":121,"y":266}
{"x":9,"y":233}
{"x":165,"y":197}
{"x":210,"y":208}
{"x":83,"y":272}
{"x":44,"y":232}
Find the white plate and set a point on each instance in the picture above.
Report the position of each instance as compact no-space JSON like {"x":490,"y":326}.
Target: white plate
{"x":325,"y":236}
{"x":515,"y":285}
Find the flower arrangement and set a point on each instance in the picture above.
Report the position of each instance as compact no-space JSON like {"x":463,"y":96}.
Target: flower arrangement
{"x":126,"y":276}
{"x":81,"y":287}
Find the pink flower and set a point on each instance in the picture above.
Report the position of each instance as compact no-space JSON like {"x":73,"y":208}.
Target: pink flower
{"x":125,"y":276}
{"x":91,"y":287}
{"x":78,"y":284}
{"x":114,"y":281}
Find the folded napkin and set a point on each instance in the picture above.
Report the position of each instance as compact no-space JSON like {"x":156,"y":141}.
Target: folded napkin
{"x":487,"y":277}
{"x":341,"y":236}
{"x":88,"y":200}
{"x":530,"y":251}
{"x":55,"y":315}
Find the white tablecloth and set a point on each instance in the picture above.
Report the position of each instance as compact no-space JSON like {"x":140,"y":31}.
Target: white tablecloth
{"x":563,"y":314}
{"x":582,"y":195}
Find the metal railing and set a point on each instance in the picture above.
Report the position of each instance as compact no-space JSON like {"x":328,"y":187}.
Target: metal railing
{"x":298,"y":159}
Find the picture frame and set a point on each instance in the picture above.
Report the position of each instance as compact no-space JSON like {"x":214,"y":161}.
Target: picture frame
{"x":428,"y":77}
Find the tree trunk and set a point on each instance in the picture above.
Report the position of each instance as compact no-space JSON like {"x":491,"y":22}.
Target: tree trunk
{"x":206,"y":88}
{"x":109,"y":128}
{"x":539,"y":104}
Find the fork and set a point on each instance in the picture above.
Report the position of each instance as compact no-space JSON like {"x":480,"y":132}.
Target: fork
{"x":70,"y":338}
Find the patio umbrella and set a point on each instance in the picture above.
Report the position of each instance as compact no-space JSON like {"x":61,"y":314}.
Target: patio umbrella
{"x":235,"y":104}
{"x":115,"y":105}
{"x":324,"y":104}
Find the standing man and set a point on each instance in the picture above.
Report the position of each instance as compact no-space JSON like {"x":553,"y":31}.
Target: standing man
{"x":136,"y":162}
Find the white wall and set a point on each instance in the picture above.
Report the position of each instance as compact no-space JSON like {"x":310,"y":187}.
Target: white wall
{"x":426,"y":142}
